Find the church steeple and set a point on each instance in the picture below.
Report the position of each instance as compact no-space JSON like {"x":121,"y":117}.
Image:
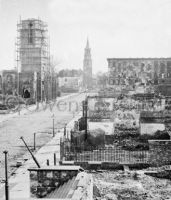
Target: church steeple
{"x":87,"y":67}
{"x":87,"y":46}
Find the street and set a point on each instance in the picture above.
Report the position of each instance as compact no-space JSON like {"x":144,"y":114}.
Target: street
{"x":39,"y":122}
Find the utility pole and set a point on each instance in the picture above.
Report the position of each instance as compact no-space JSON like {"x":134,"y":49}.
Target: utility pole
{"x":6,"y":177}
{"x":65,"y":130}
{"x":53,"y":125}
{"x":34,"y":141}
{"x":86,"y":104}
{"x":19,"y":107}
{"x":83,"y":107}
{"x":54,"y":156}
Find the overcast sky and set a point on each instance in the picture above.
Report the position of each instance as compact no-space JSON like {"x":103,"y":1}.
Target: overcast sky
{"x":115,"y":28}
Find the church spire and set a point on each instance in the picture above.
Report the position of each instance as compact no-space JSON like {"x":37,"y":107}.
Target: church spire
{"x":87,"y":46}
{"x":87,"y":67}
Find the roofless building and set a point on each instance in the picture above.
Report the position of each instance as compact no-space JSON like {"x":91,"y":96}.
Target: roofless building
{"x":33,"y":59}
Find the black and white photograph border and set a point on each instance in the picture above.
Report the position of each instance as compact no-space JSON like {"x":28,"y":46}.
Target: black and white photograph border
{"x":85,"y":99}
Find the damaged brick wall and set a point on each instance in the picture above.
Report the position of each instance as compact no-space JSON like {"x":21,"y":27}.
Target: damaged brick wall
{"x":44,"y":182}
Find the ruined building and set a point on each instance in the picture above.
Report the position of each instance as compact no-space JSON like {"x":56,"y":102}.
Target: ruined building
{"x":129,"y":71}
{"x":8,"y":82}
{"x":87,"y":67}
{"x":36,"y":77}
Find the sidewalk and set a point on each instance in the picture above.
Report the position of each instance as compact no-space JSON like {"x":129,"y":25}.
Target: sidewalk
{"x":19,"y":183}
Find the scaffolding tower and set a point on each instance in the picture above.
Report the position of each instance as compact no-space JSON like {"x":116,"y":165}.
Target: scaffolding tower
{"x":32,"y":49}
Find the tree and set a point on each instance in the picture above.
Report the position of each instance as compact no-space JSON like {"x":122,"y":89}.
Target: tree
{"x":70,"y":73}
{"x":102,"y":79}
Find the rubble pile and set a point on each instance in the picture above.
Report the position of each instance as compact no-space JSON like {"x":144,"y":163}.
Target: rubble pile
{"x":131,"y":185}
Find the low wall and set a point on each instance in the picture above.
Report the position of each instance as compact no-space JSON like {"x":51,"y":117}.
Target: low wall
{"x":151,"y":128}
{"x":44,"y":181}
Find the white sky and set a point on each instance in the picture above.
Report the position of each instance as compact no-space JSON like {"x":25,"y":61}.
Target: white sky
{"x":116,"y":28}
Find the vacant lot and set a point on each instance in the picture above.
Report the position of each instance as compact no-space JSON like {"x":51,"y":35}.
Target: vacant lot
{"x":120,"y":185}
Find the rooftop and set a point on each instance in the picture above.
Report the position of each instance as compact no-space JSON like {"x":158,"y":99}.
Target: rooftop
{"x":60,"y":168}
{"x":141,"y":58}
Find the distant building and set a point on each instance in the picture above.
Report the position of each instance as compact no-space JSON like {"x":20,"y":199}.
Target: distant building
{"x":69,"y":84}
{"x":87,"y":67}
{"x":145,"y":71}
{"x":164,"y":86}
{"x":128,"y":71}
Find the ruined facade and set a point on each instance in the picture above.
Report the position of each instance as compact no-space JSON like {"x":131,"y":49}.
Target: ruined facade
{"x":8,"y":82}
{"x":129,"y":70}
{"x":148,"y":71}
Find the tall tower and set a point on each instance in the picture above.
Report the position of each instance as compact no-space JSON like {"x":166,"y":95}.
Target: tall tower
{"x":33,"y":58}
{"x":87,"y":67}
{"x":32,"y":45}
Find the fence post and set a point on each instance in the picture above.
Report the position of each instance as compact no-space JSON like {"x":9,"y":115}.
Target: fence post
{"x":124,"y":156}
{"x":54,"y":155}
{"x":105,"y":155}
{"x":34,"y":141}
{"x":47,"y":162}
{"x":61,"y":149}
{"x":6,"y":176}
{"x":65,"y":131}
{"x":76,"y":154}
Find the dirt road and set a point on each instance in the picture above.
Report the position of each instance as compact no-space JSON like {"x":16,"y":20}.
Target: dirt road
{"x":38,"y":121}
